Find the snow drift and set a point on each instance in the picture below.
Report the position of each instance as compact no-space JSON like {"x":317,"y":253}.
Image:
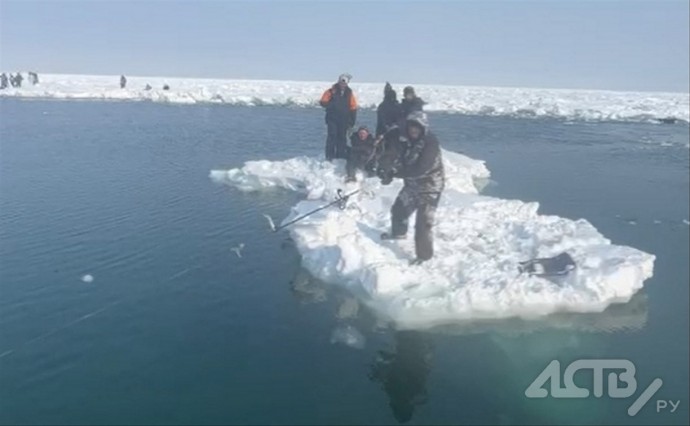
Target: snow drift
{"x":479,"y":241}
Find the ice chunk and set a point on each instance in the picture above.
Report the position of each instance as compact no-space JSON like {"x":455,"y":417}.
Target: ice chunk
{"x":479,"y":243}
{"x":87,"y":278}
{"x":238,"y":250}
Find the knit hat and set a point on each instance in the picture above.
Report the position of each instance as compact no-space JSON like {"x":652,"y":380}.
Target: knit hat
{"x":409,"y":90}
{"x":345,"y":77}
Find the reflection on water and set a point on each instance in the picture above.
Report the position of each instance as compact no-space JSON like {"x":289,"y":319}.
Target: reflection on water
{"x":307,"y":289}
{"x":403,"y":371}
{"x":402,"y":367}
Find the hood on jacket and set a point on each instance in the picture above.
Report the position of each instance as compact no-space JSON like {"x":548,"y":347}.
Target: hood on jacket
{"x":420,"y":119}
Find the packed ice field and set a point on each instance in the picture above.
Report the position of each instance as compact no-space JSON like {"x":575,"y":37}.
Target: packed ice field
{"x":560,"y":103}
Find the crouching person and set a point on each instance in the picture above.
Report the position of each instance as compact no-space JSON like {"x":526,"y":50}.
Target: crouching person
{"x":421,"y":167}
{"x":362,"y":154}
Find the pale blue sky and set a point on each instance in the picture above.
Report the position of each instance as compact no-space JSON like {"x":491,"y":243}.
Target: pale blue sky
{"x":619,"y":45}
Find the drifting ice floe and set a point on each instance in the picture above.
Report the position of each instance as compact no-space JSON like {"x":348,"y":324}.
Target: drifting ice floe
{"x":479,"y":242}
{"x":562,"y":103}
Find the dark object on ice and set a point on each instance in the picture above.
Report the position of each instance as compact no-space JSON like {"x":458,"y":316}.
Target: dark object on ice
{"x":667,"y":120}
{"x":33,"y":78}
{"x":148,"y":87}
{"x":123,"y":82}
{"x":340,"y":200}
{"x":548,"y":266}
{"x":166,"y":87}
{"x":3,"y":81}
{"x":341,"y":115}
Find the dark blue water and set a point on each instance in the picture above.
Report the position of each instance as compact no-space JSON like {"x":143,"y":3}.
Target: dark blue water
{"x":176,"y":329}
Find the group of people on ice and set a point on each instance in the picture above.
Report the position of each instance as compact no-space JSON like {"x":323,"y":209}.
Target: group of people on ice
{"x":402,"y":147}
{"x":16,"y":80}
{"x":123,"y":84}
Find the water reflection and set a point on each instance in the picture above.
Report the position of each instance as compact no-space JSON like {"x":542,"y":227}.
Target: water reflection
{"x":403,"y":372}
{"x":504,"y":355}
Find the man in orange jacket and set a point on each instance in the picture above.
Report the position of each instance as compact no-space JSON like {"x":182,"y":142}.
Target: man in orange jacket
{"x":341,"y":114}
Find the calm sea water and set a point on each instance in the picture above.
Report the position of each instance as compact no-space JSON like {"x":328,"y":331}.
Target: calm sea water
{"x":177,"y":329}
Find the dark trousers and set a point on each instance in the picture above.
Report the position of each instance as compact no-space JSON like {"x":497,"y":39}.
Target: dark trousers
{"x":425,"y":205}
{"x":336,"y":141}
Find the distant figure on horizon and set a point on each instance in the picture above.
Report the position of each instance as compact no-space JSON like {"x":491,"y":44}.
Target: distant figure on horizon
{"x":3,"y":81}
{"x":341,"y":115}
{"x":166,"y":87}
{"x":148,"y":87}
{"x":33,"y":78}
{"x":16,"y":80}
{"x":123,"y":82}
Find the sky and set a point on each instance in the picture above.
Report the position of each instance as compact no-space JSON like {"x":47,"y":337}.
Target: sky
{"x":616,"y":45}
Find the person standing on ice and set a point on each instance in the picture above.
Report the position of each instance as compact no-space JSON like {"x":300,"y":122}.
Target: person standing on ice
{"x":420,"y":165}
{"x":410,"y":103}
{"x":341,"y":114}
{"x":123,"y":82}
{"x":3,"y":81}
{"x":388,"y":117}
{"x":388,"y":114}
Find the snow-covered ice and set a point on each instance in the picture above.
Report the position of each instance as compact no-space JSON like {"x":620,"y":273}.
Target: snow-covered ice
{"x":87,"y":278}
{"x":561,"y":103}
{"x":479,"y":241}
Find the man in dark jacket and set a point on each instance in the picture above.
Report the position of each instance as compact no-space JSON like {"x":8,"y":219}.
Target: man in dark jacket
{"x":388,"y":126}
{"x":362,"y":154}
{"x":388,"y":113}
{"x":410,"y":102}
{"x":341,"y":114}
{"x":3,"y":81}
{"x":420,"y":165}
{"x":123,"y":82}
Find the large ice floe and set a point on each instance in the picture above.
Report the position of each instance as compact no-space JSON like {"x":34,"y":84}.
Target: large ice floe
{"x":479,"y":242}
{"x":502,"y":101}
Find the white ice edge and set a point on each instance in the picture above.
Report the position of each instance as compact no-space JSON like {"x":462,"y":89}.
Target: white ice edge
{"x":560,"y":103}
{"x":478,"y":242}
